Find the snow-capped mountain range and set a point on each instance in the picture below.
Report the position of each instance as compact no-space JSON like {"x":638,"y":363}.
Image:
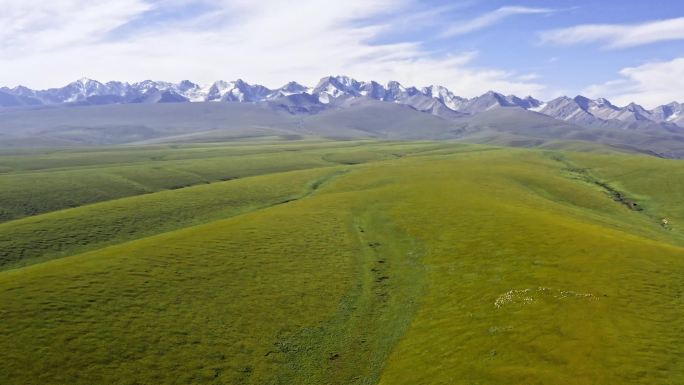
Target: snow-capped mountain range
{"x":334,"y":91}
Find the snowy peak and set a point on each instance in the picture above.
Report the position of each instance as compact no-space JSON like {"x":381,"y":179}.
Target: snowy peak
{"x":603,"y":103}
{"x":396,"y":92}
{"x":241,"y":91}
{"x":148,"y":85}
{"x":291,"y":88}
{"x":445,"y":96}
{"x":373,"y":90}
{"x":187,"y":85}
{"x":236,"y":91}
{"x":217,"y":90}
{"x":485,"y":102}
{"x":88,"y":87}
{"x":670,"y":113}
{"x":77,"y":91}
{"x":8,"y":99}
{"x":118,"y":88}
{"x":570,"y":110}
{"x":584,"y":111}
{"x":191,"y":91}
{"x":332,"y":88}
{"x":527,"y":103}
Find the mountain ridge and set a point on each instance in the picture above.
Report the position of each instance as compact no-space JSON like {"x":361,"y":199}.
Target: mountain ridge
{"x":87,"y":112}
{"x":334,"y":90}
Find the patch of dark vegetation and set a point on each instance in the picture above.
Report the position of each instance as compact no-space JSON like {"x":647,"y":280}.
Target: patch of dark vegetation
{"x":339,"y":138}
{"x":381,"y":278}
{"x":526,"y":143}
{"x":312,"y":188}
{"x":583,"y":174}
{"x":284,"y":345}
{"x":179,"y":186}
{"x":291,"y":137}
{"x":617,"y":195}
{"x":320,"y":182}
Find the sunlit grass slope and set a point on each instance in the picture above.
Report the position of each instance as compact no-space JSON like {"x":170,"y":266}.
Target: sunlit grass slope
{"x":658,"y":184}
{"x":394,"y":264}
{"x":551,"y":284}
{"x":66,"y":232}
{"x":39,"y":181}
{"x":36,"y":192}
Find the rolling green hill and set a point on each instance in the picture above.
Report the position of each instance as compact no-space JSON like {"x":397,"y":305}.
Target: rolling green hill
{"x":350,"y":262}
{"x":39,"y":181}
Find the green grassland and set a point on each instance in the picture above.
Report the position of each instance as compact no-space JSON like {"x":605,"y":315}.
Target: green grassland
{"x":36,"y":182}
{"x":67,"y":232}
{"x":322,"y":262}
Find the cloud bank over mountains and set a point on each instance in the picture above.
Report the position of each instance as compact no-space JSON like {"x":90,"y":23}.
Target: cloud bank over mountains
{"x":271,"y":40}
{"x":46,"y":44}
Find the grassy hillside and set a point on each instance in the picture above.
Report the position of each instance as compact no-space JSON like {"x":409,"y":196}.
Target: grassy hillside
{"x":67,"y":232}
{"x":35,"y":192}
{"x":35,"y":182}
{"x":657,"y":184}
{"x":367,"y":262}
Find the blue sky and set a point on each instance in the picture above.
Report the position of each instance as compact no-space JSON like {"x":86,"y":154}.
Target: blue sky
{"x":623,"y":50}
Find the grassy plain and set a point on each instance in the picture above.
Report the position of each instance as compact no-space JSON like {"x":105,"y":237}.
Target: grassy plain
{"x":344,"y":263}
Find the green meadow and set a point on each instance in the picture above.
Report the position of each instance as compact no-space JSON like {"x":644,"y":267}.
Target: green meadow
{"x":341,"y":262}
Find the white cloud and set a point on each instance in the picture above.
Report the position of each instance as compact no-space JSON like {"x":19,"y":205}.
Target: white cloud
{"x":491,"y":18}
{"x":268,"y":42}
{"x":618,"y":35}
{"x":30,"y":26}
{"x":650,"y":84}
